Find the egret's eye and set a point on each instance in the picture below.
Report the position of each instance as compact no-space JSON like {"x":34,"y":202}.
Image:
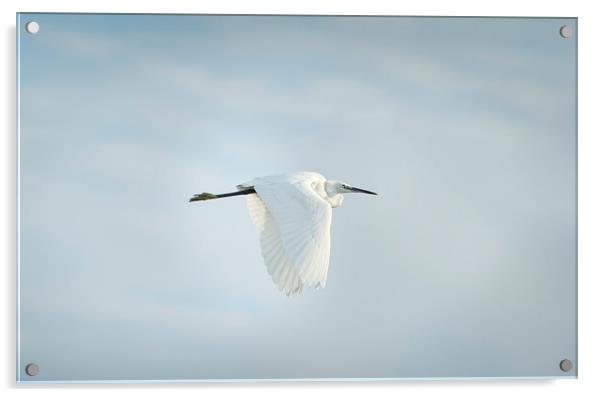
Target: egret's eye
{"x":346,"y":186}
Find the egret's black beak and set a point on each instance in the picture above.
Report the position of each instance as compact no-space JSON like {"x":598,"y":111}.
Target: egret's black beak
{"x":358,"y":190}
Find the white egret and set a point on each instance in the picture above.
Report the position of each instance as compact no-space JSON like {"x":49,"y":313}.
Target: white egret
{"x":292,"y":213}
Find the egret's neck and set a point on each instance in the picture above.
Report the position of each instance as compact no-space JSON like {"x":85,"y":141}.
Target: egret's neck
{"x":333,"y":194}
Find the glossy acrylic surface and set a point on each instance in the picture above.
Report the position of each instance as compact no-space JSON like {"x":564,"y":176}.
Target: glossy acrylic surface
{"x":464,"y":265}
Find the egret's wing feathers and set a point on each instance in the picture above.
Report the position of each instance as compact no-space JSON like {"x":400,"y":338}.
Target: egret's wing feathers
{"x":279,"y":267}
{"x":295,"y":231}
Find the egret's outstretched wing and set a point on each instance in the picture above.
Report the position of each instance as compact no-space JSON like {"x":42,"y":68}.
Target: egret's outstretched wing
{"x":279,"y":267}
{"x":294,"y":223}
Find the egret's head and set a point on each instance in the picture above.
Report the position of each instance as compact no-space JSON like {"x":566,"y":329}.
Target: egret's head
{"x":334,"y":187}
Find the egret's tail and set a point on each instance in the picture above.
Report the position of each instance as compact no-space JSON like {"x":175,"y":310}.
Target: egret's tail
{"x":211,"y":196}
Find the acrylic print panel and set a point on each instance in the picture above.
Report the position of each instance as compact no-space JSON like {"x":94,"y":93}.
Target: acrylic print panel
{"x":463,"y":265}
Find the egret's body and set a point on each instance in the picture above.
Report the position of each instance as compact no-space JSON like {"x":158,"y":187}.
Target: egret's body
{"x":292,"y":213}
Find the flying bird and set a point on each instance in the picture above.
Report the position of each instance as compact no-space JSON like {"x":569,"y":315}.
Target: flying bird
{"x":292,"y":213}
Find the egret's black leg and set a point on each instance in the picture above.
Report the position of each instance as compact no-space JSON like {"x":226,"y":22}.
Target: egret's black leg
{"x":211,"y":196}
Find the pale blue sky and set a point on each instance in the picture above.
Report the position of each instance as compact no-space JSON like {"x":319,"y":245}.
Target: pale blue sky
{"x":465,"y":127}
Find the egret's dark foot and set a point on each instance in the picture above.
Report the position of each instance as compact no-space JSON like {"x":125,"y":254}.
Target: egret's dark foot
{"x":203,"y":197}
